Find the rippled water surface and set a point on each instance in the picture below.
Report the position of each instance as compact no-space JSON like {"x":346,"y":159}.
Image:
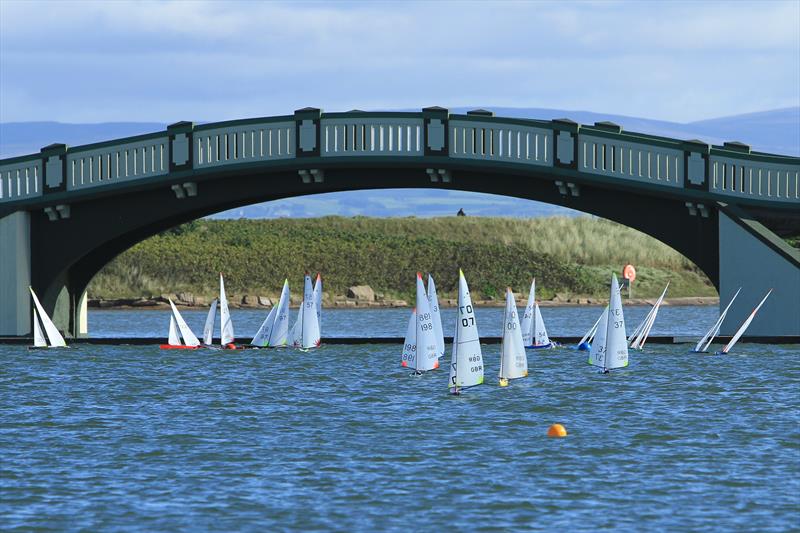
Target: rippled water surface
{"x":341,"y":438}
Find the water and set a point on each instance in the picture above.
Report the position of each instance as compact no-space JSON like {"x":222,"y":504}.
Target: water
{"x":560,"y":321}
{"x":341,"y":438}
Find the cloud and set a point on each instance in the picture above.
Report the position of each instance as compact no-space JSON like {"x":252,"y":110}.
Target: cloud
{"x":166,"y":61}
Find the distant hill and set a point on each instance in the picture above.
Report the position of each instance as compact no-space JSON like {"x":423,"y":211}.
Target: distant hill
{"x":776,"y":131}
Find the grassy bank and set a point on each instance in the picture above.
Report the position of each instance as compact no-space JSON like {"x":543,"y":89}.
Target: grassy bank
{"x":572,"y":256}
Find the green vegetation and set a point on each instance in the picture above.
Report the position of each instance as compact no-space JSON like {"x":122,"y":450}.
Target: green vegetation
{"x":574,"y":256}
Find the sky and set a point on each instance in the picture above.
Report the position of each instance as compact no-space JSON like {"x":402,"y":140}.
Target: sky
{"x":208,"y":61}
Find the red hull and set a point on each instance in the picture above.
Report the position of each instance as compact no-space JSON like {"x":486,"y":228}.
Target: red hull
{"x":177,"y":347}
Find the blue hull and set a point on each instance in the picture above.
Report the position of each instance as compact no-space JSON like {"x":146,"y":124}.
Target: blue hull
{"x":584,"y":347}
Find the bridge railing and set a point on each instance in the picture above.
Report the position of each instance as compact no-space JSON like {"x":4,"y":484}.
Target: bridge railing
{"x":588,"y":153}
{"x":760,"y":177}
{"x":372,"y":134}
{"x":507,"y":141}
{"x":20,"y":178}
{"x":104,"y":163}
{"x":244,"y":141}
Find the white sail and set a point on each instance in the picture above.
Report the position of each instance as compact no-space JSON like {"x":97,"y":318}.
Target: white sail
{"x":172,"y":336}
{"x":226,"y":325}
{"x":53,"y":336}
{"x":745,"y":324}
{"x":590,"y":334}
{"x":705,"y":342}
{"x":616,"y":343}
{"x":466,"y":361}
{"x":189,"y":338}
{"x":641,"y":337}
{"x":297,"y":330}
{"x":539,"y":332}
{"x":427,"y":353}
{"x":513,"y":360}
{"x":433,"y":301}
{"x":310,"y":331}
{"x":208,"y":330}
{"x":318,"y":299}
{"x":610,"y":347}
{"x":597,"y":355}
{"x":38,"y":336}
{"x":409,"y":356}
{"x":261,"y":338}
{"x":279,"y":336}
{"x":527,"y":316}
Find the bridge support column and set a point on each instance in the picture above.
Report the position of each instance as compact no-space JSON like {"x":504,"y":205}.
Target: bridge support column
{"x":15,"y":274}
{"x":753,"y":258}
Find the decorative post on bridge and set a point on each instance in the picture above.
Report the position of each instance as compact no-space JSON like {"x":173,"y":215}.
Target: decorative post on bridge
{"x":307,"y":129}
{"x":435,"y":131}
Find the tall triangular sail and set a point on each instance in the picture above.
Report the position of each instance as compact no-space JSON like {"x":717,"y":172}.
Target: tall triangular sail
{"x":318,"y":299}
{"x":409,"y":355}
{"x":189,"y":338}
{"x":310,"y":332}
{"x":261,"y":338}
{"x":53,"y":336}
{"x":513,"y":360}
{"x":433,"y":301}
{"x":745,"y":325}
{"x":708,"y":338}
{"x":641,"y":337}
{"x":297,"y":329}
{"x":610,"y":350}
{"x":466,"y":361}
{"x":427,"y":353}
{"x":527,"y":317}
{"x":208,"y":330}
{"x":38,"y":337}
{"x":226,"y":325}
{"x":539,"y":332}
{"x":589,"y":336}
{"x":172,"y":336}
{"x":279,"y":336}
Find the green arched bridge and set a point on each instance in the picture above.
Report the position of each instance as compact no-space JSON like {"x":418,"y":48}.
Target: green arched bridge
{"x":66,"y":211}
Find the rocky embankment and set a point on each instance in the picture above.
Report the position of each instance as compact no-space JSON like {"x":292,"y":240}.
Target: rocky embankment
{"x":362,"y":296}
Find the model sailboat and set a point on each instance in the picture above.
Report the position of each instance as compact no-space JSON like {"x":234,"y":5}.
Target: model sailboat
{"x":534,"y":333}
{"x":426,"y":354}
{"x":708,"y":338}
{"x":433,"y":301}
{"x":190,"y":341}
{"x":305,"y":334}
{"x":585,"y":344}
{"x":274,"y":332}
{"x":54,"y":338}
{"x":225,"y":323}
{"x":513,"y":360}
{"x":466,"y":363}
{"x":610,"y":348}
{"x":728,"y":347}
{"x":643,"y":331}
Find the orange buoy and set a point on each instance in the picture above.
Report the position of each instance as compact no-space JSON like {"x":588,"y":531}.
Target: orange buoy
{"x":557,"y":430}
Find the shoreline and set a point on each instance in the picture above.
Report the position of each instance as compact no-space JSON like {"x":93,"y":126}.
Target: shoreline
{"x":160,"y":303}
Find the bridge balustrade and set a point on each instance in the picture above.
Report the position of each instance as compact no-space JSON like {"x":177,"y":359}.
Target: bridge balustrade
{"x":754,"y":179}
{"x":630,"y":160}
{"x":371,"y":136}
{"x":102,"y":163}
{"x":20,"y":180}
{"x":512,"y":143}
{"x":243,"y":142}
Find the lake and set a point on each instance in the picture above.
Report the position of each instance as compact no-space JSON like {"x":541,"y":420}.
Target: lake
{"x":342,"y":438}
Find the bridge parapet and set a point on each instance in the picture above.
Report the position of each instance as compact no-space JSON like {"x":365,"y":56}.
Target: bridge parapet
{"x":602,"y":152}
{"x":98,"y":164}
{"x":20,"y":178}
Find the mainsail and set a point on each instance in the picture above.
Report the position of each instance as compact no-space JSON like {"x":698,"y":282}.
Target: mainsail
{"x":226,"y":325}
{"x":409,"y":356}
{"x":745,"y":325}
{"x":208,"y":330}
{"x":705,"y":342}
{"x":53,"y":336}
{"x":433,"y":301}
{"x":466,"y":362}
{"x":513,"y":360}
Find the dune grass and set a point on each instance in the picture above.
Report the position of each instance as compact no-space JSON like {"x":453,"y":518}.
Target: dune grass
{"x":571,"y":255}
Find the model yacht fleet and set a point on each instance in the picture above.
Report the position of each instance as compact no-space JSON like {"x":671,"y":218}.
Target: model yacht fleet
{"x":606,"y":341}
